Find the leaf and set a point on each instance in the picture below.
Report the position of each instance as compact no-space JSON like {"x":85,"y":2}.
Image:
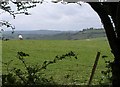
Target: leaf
{"x":104,"y":56}
{"x":26,"y":13}
{"x":8,"y":25}
{"x":75,"y":57}
{"x":45,"y":62}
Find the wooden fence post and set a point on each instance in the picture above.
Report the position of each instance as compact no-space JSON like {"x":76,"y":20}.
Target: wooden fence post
{"x":94,"y":68}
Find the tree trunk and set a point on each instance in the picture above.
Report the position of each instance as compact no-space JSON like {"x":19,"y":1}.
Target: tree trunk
{"x":113,"y":40}
{"x":116,"y":74}
{"x":116,"y":63}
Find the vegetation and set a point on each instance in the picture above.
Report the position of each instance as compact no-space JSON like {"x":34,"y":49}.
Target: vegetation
{"x":107,"y":73}
{"x":112,"y":29}
{"x":32,"y":75}
{"x":109,"y":15}
{"x":68,"y":71}
{"x":56,"y":35}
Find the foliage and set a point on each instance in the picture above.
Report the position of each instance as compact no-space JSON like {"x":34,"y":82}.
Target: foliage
{"x":107,"y":73}
{"x":112,"y":28}
{"x":7,"y":24}
{"x":21,"y":8}
{"x":32,"y":74}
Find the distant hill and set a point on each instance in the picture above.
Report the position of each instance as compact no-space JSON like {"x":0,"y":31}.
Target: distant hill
{"x":56,"y":35}
{"x":37,"y":32}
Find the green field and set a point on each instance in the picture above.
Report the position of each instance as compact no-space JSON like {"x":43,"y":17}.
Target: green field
{"x":0,"y":56}
{"x":41,"y":50}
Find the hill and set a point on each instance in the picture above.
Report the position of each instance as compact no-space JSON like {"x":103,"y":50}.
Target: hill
{"x":56,"y":35}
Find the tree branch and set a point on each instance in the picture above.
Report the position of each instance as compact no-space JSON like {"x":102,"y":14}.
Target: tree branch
{"x":109,"y":28}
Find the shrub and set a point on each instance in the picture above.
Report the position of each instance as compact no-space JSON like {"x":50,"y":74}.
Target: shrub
{"x":32,"y":74}
{"x":107,"y":73}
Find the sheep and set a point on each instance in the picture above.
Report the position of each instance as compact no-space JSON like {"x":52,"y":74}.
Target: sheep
{"x":20,"y":37}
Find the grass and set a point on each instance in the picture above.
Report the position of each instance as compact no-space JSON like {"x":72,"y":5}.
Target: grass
{"x":78,"y":70}
{"x":0,"y":57}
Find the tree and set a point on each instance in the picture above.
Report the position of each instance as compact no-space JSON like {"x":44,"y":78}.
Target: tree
{"x":109,"y":15}
{"x":21,"y":8}
{"x":112,"y":28}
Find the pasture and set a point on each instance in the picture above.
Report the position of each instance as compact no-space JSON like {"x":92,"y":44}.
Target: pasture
{"x":0,"y":57}
{"x":66,"y":71}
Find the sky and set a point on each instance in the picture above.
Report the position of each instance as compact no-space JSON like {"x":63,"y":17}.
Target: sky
{"x":56,"y":16}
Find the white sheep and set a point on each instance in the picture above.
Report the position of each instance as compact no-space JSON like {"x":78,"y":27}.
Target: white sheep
{"x":20,"y":37}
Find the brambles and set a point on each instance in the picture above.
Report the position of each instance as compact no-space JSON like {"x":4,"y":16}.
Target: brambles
{"x":32,"y":75}
{"x":107,"y":73}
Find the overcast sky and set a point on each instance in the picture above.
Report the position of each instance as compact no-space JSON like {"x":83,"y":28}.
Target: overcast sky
{"x":50,"y":16}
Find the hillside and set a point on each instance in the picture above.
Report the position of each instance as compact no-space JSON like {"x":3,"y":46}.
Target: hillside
{"x":56,"y":35}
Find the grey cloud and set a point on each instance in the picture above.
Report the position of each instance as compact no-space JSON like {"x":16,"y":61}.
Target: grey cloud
{"x":58,"y":16}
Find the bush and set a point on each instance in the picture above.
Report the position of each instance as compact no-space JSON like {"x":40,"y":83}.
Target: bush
{"x":107,"y":73}
{"x":32,"y":74}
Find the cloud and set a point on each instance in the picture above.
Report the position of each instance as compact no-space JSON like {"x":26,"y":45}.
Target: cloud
{"x":57,"y":17}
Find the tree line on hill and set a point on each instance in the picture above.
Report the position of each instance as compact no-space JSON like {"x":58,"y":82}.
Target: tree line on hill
{"x":57,"y":35}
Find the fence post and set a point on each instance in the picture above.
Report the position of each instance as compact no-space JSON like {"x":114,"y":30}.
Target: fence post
{"x":94,"y":68}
